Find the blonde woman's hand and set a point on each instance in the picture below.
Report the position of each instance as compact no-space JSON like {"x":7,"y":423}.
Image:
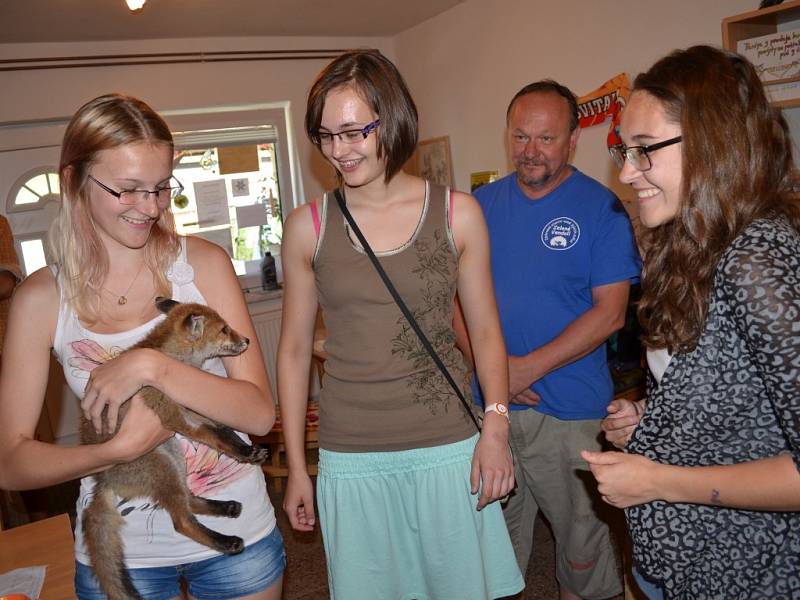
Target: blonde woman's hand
{"x":140,"y":431}
{"x":114,"y":382}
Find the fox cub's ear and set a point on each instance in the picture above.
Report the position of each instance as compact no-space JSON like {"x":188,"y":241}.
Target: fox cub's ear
{"x":165,"y":304}
{"x":195,"y":325}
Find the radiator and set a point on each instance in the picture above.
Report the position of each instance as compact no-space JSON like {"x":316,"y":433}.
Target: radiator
{"x":268,"y":330}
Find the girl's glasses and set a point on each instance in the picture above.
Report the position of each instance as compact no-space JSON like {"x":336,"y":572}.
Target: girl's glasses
{"x":638,"y":156}
{"x":348,"y":136}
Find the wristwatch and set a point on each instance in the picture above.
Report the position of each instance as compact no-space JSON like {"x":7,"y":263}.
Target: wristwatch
{"x":500,"y":409}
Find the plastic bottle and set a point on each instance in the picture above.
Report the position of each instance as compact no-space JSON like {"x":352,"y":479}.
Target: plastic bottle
{"x":269,"y":274}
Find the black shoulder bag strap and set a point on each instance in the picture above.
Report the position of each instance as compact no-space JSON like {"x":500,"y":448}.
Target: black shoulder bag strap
{"x":403,"y":308}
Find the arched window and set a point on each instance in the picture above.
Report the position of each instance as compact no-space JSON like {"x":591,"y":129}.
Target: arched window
{"x":36,"y":192}
{"x":33,"y":190}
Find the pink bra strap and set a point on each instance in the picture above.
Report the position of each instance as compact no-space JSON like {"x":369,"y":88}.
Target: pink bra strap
{"x":451,"y":209}
{"x":315,"y":217}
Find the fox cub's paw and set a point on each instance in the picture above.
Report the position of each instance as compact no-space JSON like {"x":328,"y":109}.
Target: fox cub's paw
{"x":256,"y":455}
{"x":229,"y":544}
{"x":232,"y":509}
{"x":218,"y":508}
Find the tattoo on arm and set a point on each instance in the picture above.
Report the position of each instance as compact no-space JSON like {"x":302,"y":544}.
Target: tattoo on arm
{"x":715,"y":497}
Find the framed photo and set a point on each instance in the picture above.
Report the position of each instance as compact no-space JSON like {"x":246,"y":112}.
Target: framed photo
{"x":433,"y":160}
{"x":480,"y":178}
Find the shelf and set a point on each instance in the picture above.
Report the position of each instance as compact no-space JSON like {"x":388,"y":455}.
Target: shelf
{"x":757,"y":23}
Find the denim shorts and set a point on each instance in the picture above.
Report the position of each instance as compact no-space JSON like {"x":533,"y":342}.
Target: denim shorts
{"x":255,"y":569}
{"x":652,"y":590}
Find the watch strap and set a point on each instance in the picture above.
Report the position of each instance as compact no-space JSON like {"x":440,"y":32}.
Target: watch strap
{"x":500,"y":409}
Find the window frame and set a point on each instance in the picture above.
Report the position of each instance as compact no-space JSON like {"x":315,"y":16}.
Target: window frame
{"x":21,"y":181}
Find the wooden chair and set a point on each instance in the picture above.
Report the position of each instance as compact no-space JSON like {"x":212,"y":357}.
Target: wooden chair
{"x":276,"y":468}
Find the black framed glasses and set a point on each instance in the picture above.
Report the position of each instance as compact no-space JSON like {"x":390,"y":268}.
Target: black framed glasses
{"x":163,"y":194}
{"x":348,"y":136}
{"x":638,"y":156}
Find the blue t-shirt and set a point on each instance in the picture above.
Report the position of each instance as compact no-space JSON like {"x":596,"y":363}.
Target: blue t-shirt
{"x":547,"y":255}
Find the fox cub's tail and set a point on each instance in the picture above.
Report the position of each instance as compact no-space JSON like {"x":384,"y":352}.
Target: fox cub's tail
{"x":102,"y":525}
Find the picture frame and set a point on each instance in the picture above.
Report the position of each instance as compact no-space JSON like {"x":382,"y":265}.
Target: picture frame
{"x":433,"y":160}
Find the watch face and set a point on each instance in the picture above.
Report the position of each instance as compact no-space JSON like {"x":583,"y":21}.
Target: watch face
{"x":502,"y":409}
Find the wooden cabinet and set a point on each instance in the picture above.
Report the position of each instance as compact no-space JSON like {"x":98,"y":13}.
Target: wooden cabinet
{"x":785,"y":17}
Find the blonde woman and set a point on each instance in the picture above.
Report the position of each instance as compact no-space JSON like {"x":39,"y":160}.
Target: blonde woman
{"x":115,"y":250}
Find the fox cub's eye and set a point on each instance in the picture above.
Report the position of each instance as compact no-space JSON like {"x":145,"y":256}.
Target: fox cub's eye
{"x":226,"y":330}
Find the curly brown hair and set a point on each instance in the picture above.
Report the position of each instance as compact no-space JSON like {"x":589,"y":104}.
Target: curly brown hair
{"x":736,"y":167}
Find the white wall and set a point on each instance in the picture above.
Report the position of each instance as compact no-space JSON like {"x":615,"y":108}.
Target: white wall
{"x":464,"y":65}
{"x":53,"y":93}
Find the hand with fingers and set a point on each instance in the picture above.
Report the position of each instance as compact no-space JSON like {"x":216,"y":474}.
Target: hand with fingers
{"x":526,"y":397}
{"x":112,"y":383}
{"x":519,"y":382}
{"x":623,"y":418}
{"x":492,"y":471}
{"x":140,"y":431}
{"x":298,"y":502}
{"x":623,"y":480}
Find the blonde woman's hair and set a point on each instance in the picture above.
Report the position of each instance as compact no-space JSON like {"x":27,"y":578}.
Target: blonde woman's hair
{"x":104,"y":123}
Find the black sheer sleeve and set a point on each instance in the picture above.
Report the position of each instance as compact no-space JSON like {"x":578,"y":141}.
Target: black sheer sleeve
{"x":761,"y":279}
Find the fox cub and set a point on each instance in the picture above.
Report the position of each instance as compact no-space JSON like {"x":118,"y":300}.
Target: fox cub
{"x":191,"y":333}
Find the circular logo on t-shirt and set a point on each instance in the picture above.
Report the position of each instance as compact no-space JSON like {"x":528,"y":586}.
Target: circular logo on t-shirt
{"x":561,"y":233}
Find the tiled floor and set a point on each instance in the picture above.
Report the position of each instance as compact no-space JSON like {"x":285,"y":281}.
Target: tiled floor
{"x":306,"y":578}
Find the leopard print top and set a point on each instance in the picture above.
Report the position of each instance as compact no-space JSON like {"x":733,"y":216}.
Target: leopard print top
{"x":735,"y":398}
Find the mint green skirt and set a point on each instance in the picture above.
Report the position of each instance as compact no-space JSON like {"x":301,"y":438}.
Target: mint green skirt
{"x":403,"y":526}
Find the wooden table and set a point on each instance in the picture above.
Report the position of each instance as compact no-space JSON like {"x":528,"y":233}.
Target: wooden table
{"x":47,"y":542}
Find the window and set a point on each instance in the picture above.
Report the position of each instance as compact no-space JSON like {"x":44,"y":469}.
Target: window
{"x":34,"y":194}
{"x":238,"y":181}
{"x":34,"y":189}
{"x":237,"y":209}
{"x":33,"y":256}
{"x":241,"y":154}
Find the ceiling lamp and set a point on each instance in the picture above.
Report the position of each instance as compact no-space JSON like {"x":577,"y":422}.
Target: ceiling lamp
{"x":135,"y":5}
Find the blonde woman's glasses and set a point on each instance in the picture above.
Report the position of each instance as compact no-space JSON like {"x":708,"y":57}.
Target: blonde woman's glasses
{"x":164,"y":194}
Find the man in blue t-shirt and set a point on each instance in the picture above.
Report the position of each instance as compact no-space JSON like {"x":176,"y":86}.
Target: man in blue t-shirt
{"x":563,"y":259}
